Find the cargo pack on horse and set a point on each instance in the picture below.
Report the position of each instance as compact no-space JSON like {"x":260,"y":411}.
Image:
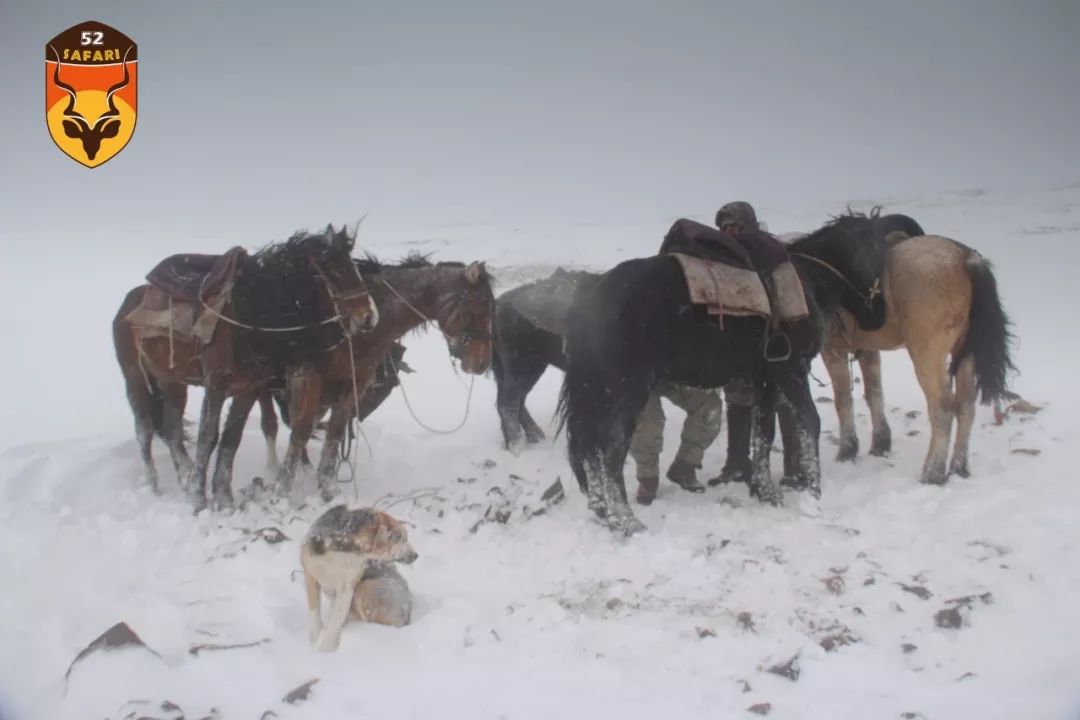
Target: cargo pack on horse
{"x":230,"y":323}
{"x":458,"y":298}
{"x":668,"y":317}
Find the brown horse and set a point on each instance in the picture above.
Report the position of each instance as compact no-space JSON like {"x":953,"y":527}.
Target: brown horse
{"x":456,"y":297}
{"x":287,"y":302}
{"x":942,"y":302}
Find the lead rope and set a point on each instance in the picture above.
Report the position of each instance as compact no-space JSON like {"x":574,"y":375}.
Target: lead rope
{"x":348,"y":445}
{"x":868,"y":299}
{"x":405,"y":395}
{"x":294,"y":328}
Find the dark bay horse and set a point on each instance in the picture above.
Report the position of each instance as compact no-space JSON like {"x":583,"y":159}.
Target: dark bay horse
{"x":457,"y":298}
{"x":385,"y":380}
{"x":289,"y":301}
{"x":637,"y":326}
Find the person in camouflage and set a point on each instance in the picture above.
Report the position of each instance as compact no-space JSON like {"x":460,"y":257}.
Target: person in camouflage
{"x":704,"y":411}
{"x":734,"y":218}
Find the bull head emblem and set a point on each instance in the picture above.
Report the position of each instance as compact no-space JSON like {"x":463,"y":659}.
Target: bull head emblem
{"x":77,"y":127}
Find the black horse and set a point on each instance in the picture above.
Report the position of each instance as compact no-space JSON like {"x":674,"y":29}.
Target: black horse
{"x":530,"y":324}
{"x":637,"y":325}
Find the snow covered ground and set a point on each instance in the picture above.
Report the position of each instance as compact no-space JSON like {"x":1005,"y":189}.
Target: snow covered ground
{"x":551,"y":615}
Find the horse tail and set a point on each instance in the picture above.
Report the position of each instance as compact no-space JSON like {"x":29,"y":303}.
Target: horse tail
{"x":988,"y":340}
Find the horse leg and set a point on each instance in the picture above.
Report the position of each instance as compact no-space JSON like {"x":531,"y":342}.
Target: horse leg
{"x":145,"y":401}
{"x":804,"y":431}
{"x":230,"y":441}
{"x":518,"y":376}
{"x":269,"y":424}
{"x":789,"y":435}
{"x":599,"y":426}
{"x":836,"y":363}
{"x":175,"y":395}
{"x":966,"y":392}
{"x":533,"y":433}
{"x":612,"y":483}
{"x":340,"y":414}
{"x":304,"y":393}
{"x":209,"y":422}
{"x":931,"y":372}
{"x":762,"y":433}
{"x":870,"y":363}
{"x":509,"y":402}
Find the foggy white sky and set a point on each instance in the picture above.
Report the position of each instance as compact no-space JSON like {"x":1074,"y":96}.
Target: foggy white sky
{"x":258,"y":118}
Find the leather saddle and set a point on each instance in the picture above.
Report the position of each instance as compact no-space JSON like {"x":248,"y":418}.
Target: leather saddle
{"x":187,"y":277}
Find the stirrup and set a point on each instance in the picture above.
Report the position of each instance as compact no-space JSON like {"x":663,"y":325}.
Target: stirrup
{"x":777,"y":357}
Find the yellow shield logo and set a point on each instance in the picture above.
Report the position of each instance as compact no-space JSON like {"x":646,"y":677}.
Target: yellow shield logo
{"x":91,"y":82}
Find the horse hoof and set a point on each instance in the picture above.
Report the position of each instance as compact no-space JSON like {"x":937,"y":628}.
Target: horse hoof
{"x":327,"y":494}
{"x":767,"y":494}
{"x":960,"y":468}
{"x":627,"y":526}
{"x":223,"y":503}
{"x":848,"y":451}
{"x":936,"y":477}
{"x":794,"y":482}
{"x":881,"y":445}
{"x":809,"y":505}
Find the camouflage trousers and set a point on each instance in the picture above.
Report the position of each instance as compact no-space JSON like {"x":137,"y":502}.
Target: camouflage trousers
{"x":704,"y":410}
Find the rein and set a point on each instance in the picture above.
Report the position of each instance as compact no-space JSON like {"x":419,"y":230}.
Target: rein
{"x":405,"y":395}
{"x":875,"y":289}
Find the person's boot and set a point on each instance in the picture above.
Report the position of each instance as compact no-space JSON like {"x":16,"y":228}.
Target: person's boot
{"x":646,"y":489}
{"x":684,"y":475}
{"x":737,"y":466}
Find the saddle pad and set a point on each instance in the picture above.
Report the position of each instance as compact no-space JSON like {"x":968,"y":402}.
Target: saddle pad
{"x":790,"y":296}
{"x":723,"y":289}
{"x":727,"y":290}
{"x":159,"y":315}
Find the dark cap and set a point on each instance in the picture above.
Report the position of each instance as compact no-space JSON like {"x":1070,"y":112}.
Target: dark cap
{"x":740,"y":212}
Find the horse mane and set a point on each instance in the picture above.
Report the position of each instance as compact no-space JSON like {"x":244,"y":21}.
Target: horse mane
{"x":370,"y":264}
{"x":276,"y":287}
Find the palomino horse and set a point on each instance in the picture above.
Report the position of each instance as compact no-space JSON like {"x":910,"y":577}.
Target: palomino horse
{"x":458,"y":298}
{"x":637,"y":325}
{"x":941,"y":301}
{"x":287,"y":302}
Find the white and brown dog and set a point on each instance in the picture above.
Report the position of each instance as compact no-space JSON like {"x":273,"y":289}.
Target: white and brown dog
{"x":342,"y":547}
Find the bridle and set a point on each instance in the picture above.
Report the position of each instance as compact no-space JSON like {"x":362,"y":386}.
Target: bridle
{"x":867,"y":298}
{"x":466,"y":336}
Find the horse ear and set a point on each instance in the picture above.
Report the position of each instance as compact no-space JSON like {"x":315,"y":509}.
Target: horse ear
{"x":474,"y":272}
